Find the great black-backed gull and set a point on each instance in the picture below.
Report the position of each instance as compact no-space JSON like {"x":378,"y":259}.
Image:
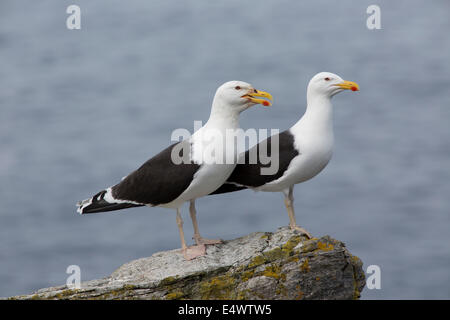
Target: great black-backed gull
{"x":166,"y":181}
{"x":304,"y":149}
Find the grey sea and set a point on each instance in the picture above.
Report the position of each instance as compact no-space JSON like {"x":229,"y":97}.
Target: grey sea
{"x":80,"y":109}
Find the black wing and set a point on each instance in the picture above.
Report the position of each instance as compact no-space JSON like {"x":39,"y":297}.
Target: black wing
{"x":248,"y":175}
{"x":159,"y":180}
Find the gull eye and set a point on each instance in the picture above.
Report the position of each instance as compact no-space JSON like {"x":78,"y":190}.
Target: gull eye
{"x":237,"y":88}
{"x":327,"y":79}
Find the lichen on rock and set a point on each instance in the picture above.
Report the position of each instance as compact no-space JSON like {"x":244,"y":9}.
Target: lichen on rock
{"x":279,"y":265}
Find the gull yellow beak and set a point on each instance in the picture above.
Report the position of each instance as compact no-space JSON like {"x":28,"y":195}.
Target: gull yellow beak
{"x":348,"y":85}
{"x":256,"y":93}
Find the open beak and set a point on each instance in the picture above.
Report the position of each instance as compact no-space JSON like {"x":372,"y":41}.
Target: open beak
{"x":256,"y":93}
{"x":348,"y":85}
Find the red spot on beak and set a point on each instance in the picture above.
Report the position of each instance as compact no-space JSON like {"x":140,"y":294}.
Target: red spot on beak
{"x":354,"y":89}
{"x":265,"y":103}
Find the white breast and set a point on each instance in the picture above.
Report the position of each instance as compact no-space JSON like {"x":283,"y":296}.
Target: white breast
{"x":217,"y":161}
{"x":315,"y":153}
{"x":313,"y":139}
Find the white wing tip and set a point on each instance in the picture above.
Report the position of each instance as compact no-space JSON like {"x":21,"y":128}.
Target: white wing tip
{"x":82,"y":204}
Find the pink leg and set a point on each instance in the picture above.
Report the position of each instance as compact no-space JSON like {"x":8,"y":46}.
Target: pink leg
{"x":199,"y":240}
{"x":192,"y":252}
{"x":289,"y":202}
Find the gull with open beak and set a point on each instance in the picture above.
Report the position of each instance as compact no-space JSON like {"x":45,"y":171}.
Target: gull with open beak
{"x":251,"y":94}
{"x":166,"y":181}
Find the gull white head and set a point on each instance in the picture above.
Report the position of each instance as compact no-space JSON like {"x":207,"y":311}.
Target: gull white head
{"x":237,"y":96}
{"x":327,"y":84}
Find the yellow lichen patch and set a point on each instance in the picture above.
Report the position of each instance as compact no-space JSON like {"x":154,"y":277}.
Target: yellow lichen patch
{"x":274,"y":272}
{"x":256,"y":261}
{"x":174,"y":295}
{"x":167,"y":281}
{"x":243,"y":295}
{"x":217,"y":288}
{"x":356,"y":294}
{"x":282,"y":252}
{"x":271,"y":274}
{"x":355,"y":260}
{"x":123,"y":292}
{"x":317,"y":278}
{"x":305,"y":266}
{"x":291,"y":244}
{"x":274,"y":254}
{"x":247,"y":275}
{"x":324,"y":246}
{"x":64,"y":294}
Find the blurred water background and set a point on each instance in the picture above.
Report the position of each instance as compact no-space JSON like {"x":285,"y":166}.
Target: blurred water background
{"x":81,"y":109}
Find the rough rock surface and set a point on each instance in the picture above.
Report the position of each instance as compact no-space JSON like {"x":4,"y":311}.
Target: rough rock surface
{"x":280,"y":265}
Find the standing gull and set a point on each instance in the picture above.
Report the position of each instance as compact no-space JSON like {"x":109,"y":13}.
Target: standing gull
{"x":303,"y":150}
{"x":186,"y":170}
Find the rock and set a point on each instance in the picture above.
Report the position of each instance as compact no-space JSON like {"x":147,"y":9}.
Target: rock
{"x":280,"y":265}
